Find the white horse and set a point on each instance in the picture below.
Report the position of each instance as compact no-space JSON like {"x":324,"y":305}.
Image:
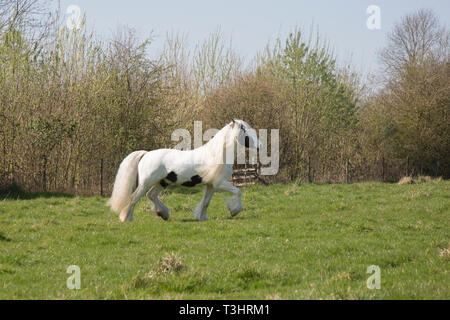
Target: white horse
{"x":149,"y":172}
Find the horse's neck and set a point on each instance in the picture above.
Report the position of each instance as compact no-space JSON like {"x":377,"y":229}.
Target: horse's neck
{"x":213,"y":153}
{"x":217,"y":146}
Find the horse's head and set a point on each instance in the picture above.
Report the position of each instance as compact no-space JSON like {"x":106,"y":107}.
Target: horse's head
{"x":245,"y":135}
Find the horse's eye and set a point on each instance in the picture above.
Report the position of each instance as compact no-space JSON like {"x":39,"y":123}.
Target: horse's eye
{"x":242,"y":128}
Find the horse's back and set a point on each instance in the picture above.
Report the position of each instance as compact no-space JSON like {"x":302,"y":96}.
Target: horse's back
{"x":162,"y":159}
{"x":174,"y":165}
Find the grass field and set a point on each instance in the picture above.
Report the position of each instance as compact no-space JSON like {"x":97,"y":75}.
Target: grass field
{"x":290,"y":242}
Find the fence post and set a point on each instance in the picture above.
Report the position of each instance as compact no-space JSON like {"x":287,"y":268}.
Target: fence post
{"x":309,"y":169}
{"x":101,"y":177}
{"x":382,"y":169}
{"x":437,"y":168}
{"x":346,"y":171}
{"x":407,"y":166}
{"x":44,"y":175}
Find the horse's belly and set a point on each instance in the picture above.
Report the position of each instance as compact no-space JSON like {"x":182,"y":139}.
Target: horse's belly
{"x":181,"y":169}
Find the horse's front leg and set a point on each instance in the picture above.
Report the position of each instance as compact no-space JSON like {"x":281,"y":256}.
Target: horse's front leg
{"x":234,"y":203}
{"x":200,"y":209}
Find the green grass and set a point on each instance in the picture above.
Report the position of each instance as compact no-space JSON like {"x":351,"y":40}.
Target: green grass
{"x":303,"y":242}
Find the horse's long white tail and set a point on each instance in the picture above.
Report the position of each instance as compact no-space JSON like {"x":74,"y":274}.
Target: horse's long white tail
{"x":126,"y":181}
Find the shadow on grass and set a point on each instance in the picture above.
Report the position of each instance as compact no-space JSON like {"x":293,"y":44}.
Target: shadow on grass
{"x":4,"y":238}
{"x":217,"y":218}
{"x":190,"y":220}
{"x":15,"y":192}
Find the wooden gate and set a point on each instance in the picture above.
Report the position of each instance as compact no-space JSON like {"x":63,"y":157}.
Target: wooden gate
{"x":246,"y":174}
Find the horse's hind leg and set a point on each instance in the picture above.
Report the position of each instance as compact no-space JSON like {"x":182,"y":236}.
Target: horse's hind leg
{"x":127,"y":213}
{"x":150,"y":196}
{"x":159,"y":207}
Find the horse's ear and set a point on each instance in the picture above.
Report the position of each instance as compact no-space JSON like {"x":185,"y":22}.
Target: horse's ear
{"x":233,"y":123}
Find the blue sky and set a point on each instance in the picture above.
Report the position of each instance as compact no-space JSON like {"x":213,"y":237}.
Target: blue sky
{"x":252,"y":23}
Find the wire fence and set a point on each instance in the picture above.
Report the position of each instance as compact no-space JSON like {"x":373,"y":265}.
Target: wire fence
{"x":99,"y":178}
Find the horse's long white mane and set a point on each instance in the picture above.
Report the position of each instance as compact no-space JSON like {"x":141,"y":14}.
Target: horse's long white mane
{"x":216,"y":164}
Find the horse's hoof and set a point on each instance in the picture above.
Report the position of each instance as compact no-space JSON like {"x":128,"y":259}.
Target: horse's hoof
{"x":233,"y":214}
{"x":234,"y":207}
{"x":124,"y":216}
{"x":162,"y":215}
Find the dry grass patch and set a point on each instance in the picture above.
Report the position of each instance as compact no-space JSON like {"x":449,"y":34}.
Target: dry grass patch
{"x":406,"y":180}
{"x":445,"y":253}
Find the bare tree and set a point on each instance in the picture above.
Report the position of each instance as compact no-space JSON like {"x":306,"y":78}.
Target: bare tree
{"x":418,"y":37}
{"x":413,"y":108}
{"x":32,"y":15}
